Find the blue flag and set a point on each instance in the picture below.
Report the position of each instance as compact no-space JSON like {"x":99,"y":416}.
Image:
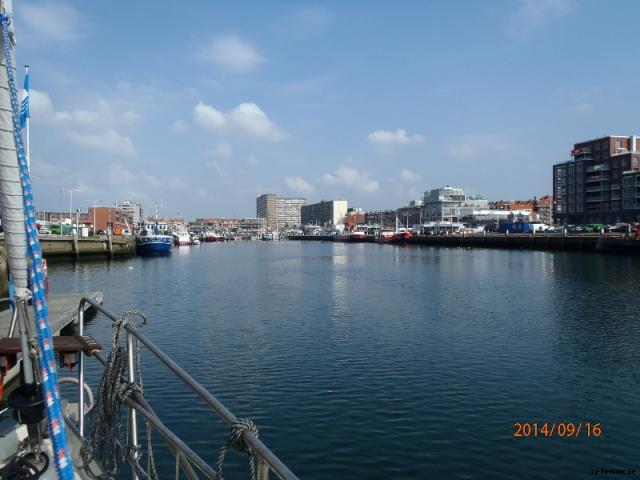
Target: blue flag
{"x":24,"y":106}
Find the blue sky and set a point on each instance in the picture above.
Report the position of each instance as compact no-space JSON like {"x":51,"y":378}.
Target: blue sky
{"x":202,"y":105}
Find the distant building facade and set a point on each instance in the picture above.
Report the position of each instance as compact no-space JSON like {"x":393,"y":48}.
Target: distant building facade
{"x":599,"y":184}
{"x":280,"y":212}
{"x":443,"y":204}
{"x":216,"y":222}
{"x":266,"y":208}
{"x":135,"y":212}
{"x":252,"y":226}
{"x":325,"y":213}
{"x":109,"y":218}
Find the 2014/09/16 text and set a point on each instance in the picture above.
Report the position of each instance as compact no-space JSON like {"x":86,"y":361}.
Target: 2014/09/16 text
{"x":557,"y":429}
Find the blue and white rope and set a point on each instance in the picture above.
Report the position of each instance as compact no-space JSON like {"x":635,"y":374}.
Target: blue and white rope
{"x":64,"y":465}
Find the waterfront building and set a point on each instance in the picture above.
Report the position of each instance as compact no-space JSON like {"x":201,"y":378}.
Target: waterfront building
{"x":325,"y":213}
{"x":601,"y":182}
{"x":384,"y":218}
{"x":217,"y":222}
{"x":252,"y":226}
{"x":280,"y":212}
{"x":443,"y":204}
{"x":109,"y":218}
{"x":536,"y":209}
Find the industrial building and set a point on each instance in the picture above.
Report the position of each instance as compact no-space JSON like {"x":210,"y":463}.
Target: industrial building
{"x":600,"y":184}
{"x":280,"y":213}
{"x":324,"y":213}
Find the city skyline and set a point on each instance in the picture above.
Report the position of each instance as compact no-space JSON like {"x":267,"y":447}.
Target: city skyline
{"x":374,"y":105}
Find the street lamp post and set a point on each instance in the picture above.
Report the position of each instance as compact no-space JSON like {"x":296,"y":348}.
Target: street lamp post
{"x":94,"y":203}
{"x":70,"y":190}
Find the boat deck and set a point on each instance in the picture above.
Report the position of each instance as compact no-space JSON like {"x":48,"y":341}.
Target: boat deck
{"x":63,"y":310}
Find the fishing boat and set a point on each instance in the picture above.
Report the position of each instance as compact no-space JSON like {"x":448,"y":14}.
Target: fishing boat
{"x":358,"y":236}
{"x":399,"y":235}
{"x":181,"y":238}
{"x":94,"y":434}
{"x":154,"y":242}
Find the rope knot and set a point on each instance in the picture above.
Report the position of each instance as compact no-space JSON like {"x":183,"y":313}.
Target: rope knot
{"x":238,"y":427}
{"x":236,"y":441}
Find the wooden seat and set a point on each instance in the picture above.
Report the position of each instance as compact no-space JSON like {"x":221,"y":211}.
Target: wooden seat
{"x":65,"y":344}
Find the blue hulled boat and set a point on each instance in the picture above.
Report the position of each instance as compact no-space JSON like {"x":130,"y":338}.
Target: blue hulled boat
{"x":154,"y":243}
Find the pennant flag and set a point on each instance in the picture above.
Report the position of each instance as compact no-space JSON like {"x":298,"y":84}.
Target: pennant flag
{"x":24,"y":105}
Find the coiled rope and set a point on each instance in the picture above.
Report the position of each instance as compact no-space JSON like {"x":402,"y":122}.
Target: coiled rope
{"x":106,"y":441}
{"x":57,"y":431}
{"x":236,"y":441}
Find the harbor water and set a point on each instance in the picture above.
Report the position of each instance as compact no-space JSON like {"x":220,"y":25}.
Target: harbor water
{"x":375,"y":361}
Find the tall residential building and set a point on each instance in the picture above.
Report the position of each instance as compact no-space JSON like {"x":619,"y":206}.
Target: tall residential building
{"x":326,"y":213}
{"x":443,"y":204}
{"x":134,"y":211}
{"x":280,"y":213}
{"x":599,"y":184}
{"x":266,"y":208}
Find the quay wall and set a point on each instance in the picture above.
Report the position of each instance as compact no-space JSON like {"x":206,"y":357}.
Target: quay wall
{"x":316,"y":238}
{"x":67,"y":246}
{"x":603,"y":243}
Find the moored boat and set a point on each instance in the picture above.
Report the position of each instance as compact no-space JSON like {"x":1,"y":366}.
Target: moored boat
{"x":154,"y":242}
{"x":181,"y":238}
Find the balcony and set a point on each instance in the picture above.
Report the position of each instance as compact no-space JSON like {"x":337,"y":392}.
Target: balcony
{"x":596,"y":178}
{"x":603,"y":167}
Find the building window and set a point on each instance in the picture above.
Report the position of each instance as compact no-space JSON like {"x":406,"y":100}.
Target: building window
{"x":618,"y":144}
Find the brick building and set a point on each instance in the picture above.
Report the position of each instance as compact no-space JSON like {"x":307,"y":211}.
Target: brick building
{"x":600,"y":184}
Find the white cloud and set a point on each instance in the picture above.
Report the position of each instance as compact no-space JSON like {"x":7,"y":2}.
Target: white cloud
{"x":179,"y":126}
{"x":208,"y":117}
{"x":51,"y":21}
{"x":107,"y":140}
{"x":351,"y":178}
{"x":247,"y":119}
{"x":232,"y":54}
{"x":533,"y":14}
{"x":386,"y":141}
{"x":409,"y":176}
{"x":122,"y":179}
{"x":40,"y":104}
{"x":222,"y":150}
{"x":119,"y":175}
{"x":101,"y":113}
{"x":298,"y":184}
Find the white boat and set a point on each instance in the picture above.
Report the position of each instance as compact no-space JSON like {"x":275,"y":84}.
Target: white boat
{"x":49,"y":437}
{"x":181,"y":238}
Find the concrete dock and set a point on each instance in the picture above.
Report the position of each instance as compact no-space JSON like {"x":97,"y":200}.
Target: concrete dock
{"x":68,"y":246}
{"x":63,"y":310}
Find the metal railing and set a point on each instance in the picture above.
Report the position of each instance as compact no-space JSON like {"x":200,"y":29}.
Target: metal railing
{"x":267,"y":461}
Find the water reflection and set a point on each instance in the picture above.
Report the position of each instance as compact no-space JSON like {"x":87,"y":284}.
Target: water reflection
{"x":372,"y":361}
